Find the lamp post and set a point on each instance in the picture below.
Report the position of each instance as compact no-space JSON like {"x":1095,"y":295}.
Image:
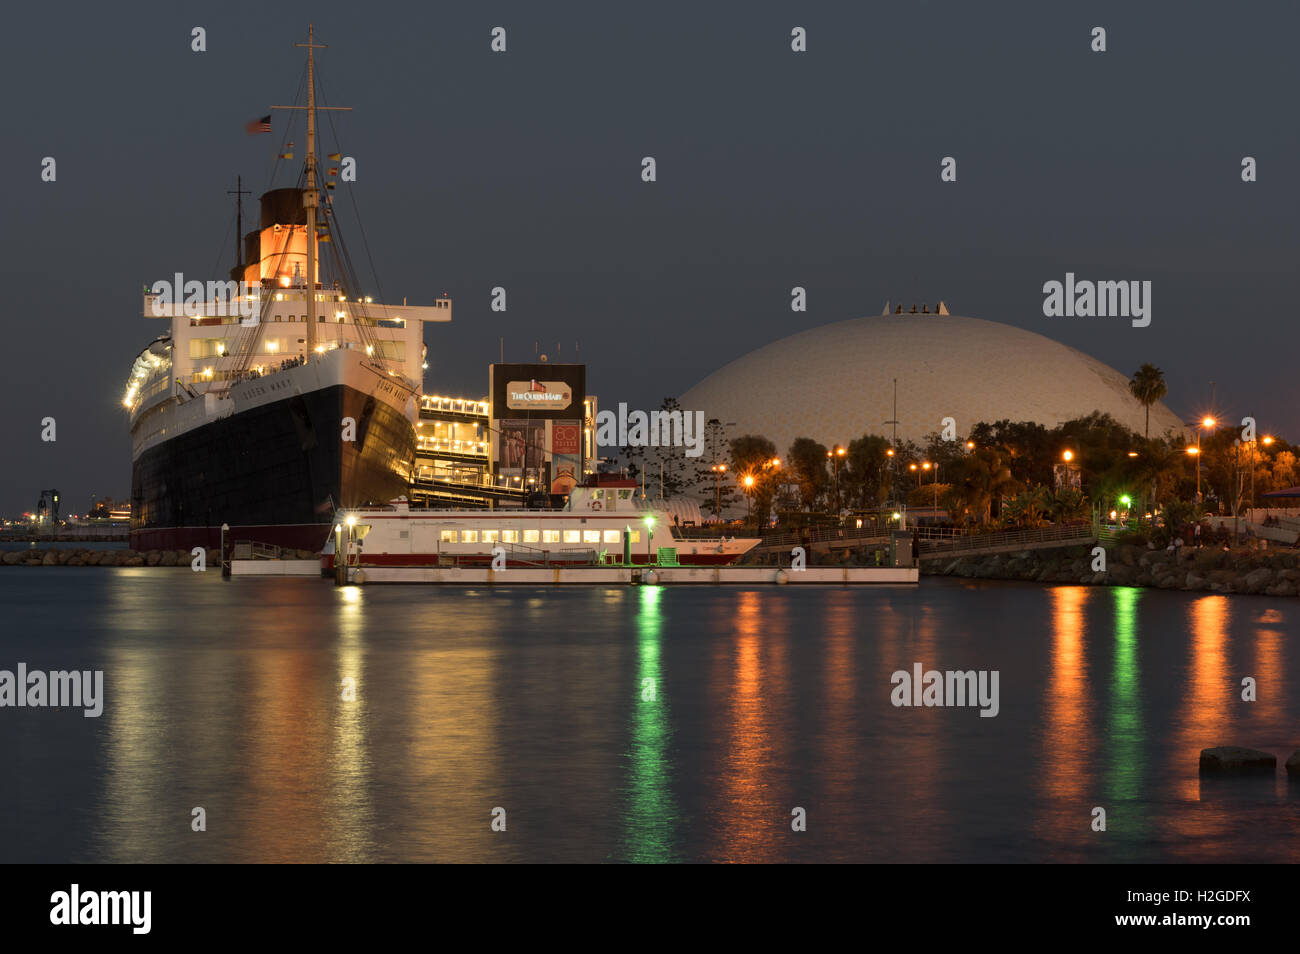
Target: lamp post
{"x":649,"y":536}
{"x":1205,"y":423}
{"x":718,"y":471}
{"x":889,"y":456}
{"x":835,"y":453}
{"x":748,"y":481}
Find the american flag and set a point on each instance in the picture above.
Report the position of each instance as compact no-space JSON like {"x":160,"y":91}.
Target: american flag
{"x":259,"y":126}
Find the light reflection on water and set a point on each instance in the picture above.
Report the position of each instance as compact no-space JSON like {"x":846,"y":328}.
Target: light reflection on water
{"x":650,"y":724}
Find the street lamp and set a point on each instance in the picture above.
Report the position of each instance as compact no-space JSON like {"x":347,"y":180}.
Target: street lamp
{"x":835,"y":453}
{"x":1206,"y":423}
{"x":748,"y":481}
{"x":718,"y":471}
{"x":649,"y":536}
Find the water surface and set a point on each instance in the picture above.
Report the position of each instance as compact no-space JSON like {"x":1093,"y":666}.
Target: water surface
{"x":638,"y":724}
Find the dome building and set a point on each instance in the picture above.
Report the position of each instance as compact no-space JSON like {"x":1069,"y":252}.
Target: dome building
{"x":836,"y":382}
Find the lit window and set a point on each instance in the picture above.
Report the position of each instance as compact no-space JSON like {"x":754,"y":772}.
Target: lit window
{"x":509,"y":536}
{"x":532,"y":536}
{"x":469,"y":536}
{"x":612,"y":536}
{"x":448,"y":536}
{"x":572,"y":536}
{"x":625,"y":495}
{"x":591,"y":536}
{"x":636,"y":536}
{"x":550,"y":536}
{"x":491,"y":536}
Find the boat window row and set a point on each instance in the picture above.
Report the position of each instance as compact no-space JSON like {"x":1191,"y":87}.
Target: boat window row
{"x":537,"y":536}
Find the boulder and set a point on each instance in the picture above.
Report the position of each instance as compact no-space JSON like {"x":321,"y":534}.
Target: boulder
{"x":1123,"y":574}
{"x":50,"y":559}
{"x":1285,"y":588}
{"x":1257,"y":580}
{"x":1293,"y":766}
{"x":13,"y":556}
{"x":1236,"y":760}
{"x":136,"y":560}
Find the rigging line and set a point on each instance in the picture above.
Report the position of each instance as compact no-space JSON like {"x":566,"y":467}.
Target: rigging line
{"x":365,"y":241}
{"x":248,"y":339}
{"x":343,"y":252}
{"x":293,"y":114}
{"x":217,"y":264}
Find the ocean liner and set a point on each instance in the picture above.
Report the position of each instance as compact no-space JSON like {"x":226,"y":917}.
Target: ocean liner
{"x":280,"y":396}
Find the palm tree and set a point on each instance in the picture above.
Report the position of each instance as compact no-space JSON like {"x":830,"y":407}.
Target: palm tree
{"x":1148,"y":386}
{"x":983,"y":476}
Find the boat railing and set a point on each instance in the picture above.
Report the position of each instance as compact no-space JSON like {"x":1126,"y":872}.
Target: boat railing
{"x":252,"y":550}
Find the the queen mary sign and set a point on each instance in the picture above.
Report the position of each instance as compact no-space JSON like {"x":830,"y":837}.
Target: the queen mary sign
{"x":551,"y":391}
{"x":534,"y":394}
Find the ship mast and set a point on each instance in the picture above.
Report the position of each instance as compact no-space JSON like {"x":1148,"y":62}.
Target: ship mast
{"x":311,"y":197}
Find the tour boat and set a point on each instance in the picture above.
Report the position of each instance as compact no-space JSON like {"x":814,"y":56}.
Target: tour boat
{"x":605,"y":521}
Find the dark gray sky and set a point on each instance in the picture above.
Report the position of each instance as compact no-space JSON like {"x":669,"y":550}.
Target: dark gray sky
{"x":775,"y":169}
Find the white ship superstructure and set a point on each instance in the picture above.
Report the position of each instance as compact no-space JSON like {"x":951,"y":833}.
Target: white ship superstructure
{"x":280,"y":395}
{"x":604,"y":522}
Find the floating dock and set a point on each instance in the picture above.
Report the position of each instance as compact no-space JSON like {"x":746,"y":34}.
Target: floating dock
{"x":275,"y":567}
{"x":634,"y":575}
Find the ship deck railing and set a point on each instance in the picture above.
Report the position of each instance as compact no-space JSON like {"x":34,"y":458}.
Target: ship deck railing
{"x":252,"y":550}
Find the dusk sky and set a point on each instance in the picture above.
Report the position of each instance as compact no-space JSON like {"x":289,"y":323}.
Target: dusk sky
{"x":775,"y":169}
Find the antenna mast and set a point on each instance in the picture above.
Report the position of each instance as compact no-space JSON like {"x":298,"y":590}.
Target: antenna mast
{"x":239,"y":192}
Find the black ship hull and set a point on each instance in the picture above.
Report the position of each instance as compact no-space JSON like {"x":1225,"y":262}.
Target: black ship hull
{"x":274,"y":473}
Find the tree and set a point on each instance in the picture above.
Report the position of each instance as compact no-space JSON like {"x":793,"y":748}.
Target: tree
{"x":806,"y":460}
{"x":1148,"y":386}
{"x":716,"y":490}
{"x":749,"y":455}
{"x":864,"y":472}
{"x":665,"y":465}
{"x":981,"y":477}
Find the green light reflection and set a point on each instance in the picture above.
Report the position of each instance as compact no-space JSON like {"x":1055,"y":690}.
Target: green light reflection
{"x":1124,"y":769}
{"x":651,"y":814}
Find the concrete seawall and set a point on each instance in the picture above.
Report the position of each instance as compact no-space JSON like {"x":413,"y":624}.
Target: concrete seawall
{"x":1270,"y":572}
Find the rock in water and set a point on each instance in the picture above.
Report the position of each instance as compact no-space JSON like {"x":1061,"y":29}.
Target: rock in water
{"x":1293,"y":766}
{"x":1235,"y":760}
